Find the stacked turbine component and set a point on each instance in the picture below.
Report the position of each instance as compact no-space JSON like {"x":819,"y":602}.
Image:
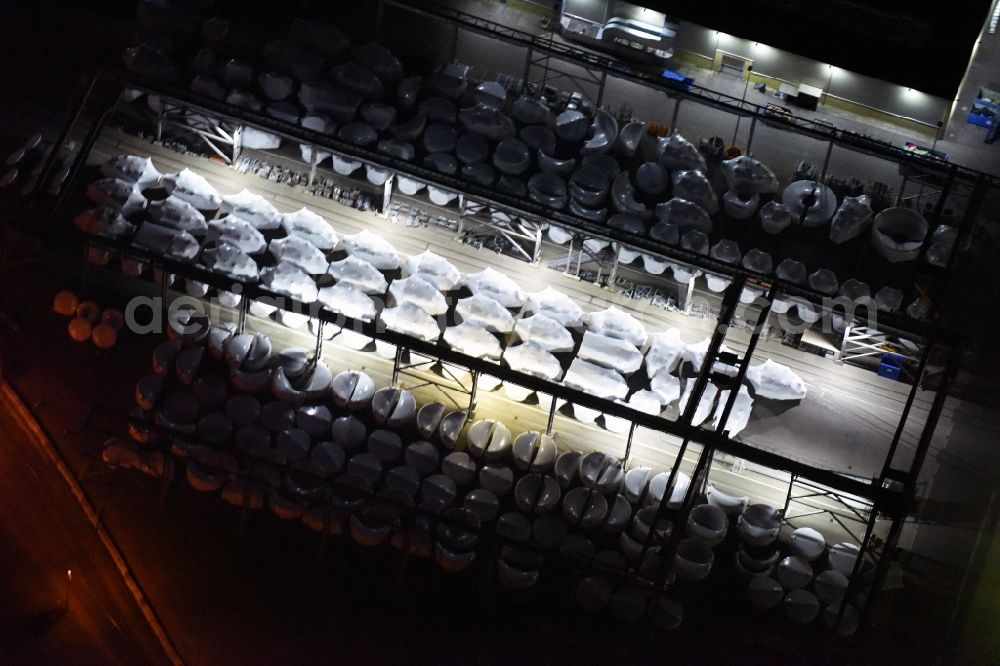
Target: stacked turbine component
{"x":251,"y":207}
{"x":602,"y":134}
{"x":122,"y":196}
{"x":372,"y":248}
{"x":132,"y":169}
{"x":533,"y":359}
{"x":775,"y":217}
{"x":102,"y":221}
{"x":679,"y":154}
{"x":898,"y":234}
{"x":311,"y":227}
{"x":435,"y":269}
{"x":853,"y":216}
{"x":776,"y":381}
{"x":811,"y":203}
{"x":178,"y":214}
{"x":695,"y":187}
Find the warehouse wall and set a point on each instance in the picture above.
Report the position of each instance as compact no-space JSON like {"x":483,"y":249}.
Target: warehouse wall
{"x":698,"y":41}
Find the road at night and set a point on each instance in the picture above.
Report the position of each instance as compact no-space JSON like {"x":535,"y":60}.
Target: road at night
{"x":44,"y":532}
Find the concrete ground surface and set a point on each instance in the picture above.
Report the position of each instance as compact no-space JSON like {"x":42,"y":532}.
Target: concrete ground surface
{"x":47,"y":616}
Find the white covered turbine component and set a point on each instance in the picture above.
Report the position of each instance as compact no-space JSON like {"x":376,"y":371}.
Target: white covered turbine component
{"x":347,"y":300}
{"x":497,"y":286}
{"x":102,"y":221}
{"x":666,"y":386}
{"x":132,"y":169}
{"x":854,"y":214}
{"x":419,"y":291}
{"x":435,"y":269}
{"x":230,"y":260}
{"x":776,"y":381}
{"x":289,"y":280}
{"x":704,"y":409}
{"x":359,"y":273}
{"x":610,"y":352}
{"x":179,"y":214}
{"x":677,"y":153}
{"x":297,"y":250}
{"x":372,"y":248}
{"x":546,"y":332}
{"x":166,"y":241}
{"x":118,"y":194}
{"x":595,"y":380}
{"x":193,"y":188}
{"x":616,"y":323}
{"x":749,"y":175}
{"x":411,"y":320}
{"x":236,"y":231}
{"x":739,"y":415}
{"x":665,"y":352}
{"x":555,"y":304}
{"x":310,"y":226}
{"x":253,"y":208}
{"x":533,"y":359}
{"x":486,"y":312}
{"x":473,"y":340}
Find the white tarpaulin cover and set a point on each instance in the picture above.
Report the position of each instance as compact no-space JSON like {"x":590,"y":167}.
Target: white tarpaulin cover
{"x":411,"y":320}
{"x":486,"y":312}
{"x":347,"y":300}
{"x":435,"y":269}
{"x":497,"y":286}
{"x":310,"y":226}
{"x":237,"y":231}
{"x":531,"y":358}
{"x":372,"y":248}
{"x":359,"y":273}
{"x":103,"y":221}
{"x":679,"y":153}
{"x":419,"y":291}
{"x":193,"y":188}
{"x":704,"y":409}
{"x":230,"y":260}
{"x":695,"y":354}
{"x":259,"y":139}
{"x":740,"y":414}
{"x":115,"y":193}
{"x":749,"y":175}
{"x":546,"y":332}
{"x":288,"y":279}
{"x":646,"y":401}
{"x":166,"y":241}
{"x":179,"y":214}
{"x":616,"y":323}
{"x":598,"y":381}
{"x":132,"y":169}
{"x":610,"y":352}
{"x":666,"y":386}
{"x":776,"y":381}
{"x":302,"y":253}
{"x":253,"y":208}
{"x":472,"y":340}
{"x":555,"y":304}
{"x":665,"y":352}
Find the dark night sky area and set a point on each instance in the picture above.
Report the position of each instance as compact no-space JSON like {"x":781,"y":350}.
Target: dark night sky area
{"x":921,"y":45}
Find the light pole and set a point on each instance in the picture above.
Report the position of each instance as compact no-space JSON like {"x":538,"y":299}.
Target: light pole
{"x":739,"y":116}
{"x":69,"y":580}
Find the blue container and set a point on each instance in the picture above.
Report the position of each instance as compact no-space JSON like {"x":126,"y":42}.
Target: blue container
{"x":889,"y":371}
{"x":893,"y":359}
